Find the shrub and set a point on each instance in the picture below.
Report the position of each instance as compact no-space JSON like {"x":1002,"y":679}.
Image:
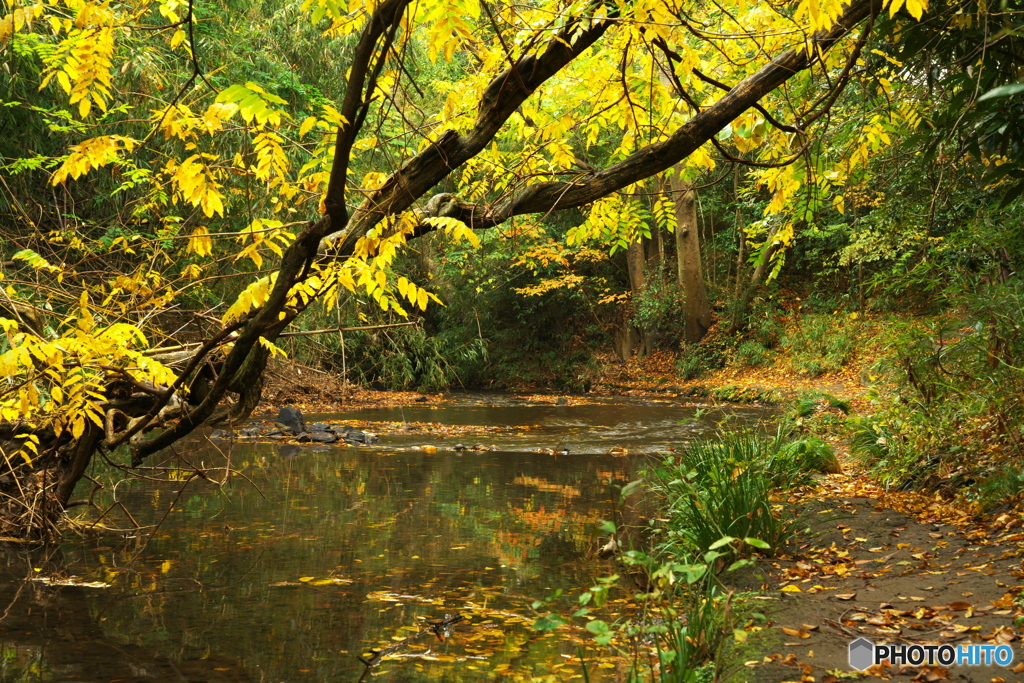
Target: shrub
{"x":722,"y":488}
{"x":751,"y":354}
{"x":820,"y":344}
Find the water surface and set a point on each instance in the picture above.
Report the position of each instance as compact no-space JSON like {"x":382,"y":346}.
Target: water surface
{"x":308,"y":558}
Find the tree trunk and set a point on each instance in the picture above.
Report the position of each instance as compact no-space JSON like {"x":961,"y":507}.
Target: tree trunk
{"x":642,"y":339}
{"x":696,"y":306}
{"x":741,"y":307}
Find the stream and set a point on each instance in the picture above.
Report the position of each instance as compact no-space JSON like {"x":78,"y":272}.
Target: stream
{"x":308,"y":558}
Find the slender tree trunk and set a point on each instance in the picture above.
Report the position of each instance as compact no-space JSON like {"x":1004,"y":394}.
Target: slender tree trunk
{"x":636,"y":263}
{"x":741,"y":255}
{"x":741,"y":308}
{"x":696,"y":306}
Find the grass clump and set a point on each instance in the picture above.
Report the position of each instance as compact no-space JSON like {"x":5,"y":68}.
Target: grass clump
{"x":722,"y":488}
{"x":820,"y":344}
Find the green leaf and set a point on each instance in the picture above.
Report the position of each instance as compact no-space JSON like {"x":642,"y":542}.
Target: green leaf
{"x":723,"y":541}
{"x":757,"y":543}
{"x":1003,"y":91}
{"x":631,"y":488}
{"x":549,"y":622}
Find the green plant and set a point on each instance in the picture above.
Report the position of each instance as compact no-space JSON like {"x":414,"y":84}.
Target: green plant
{"x":820,"y":344}
{"x":722,"y":488}
{"x":751,"y":354}
{"x":810,"y":454}
{"x":805,"y":406}
{"x":867,"y":440}
{"x":1003,"y":488}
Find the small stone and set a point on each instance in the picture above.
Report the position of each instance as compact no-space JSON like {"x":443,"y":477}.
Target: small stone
{"x":292,"y":418}
{"x":421,"y":399}
{"x":319,"y":427}
{"x":323,"y":437}
{"x":304,"y":437}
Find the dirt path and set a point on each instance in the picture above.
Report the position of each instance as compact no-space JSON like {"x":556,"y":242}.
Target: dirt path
{"x":894,"y":569}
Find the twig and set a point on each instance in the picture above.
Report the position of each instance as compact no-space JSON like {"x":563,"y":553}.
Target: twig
{"x":305,"y":333}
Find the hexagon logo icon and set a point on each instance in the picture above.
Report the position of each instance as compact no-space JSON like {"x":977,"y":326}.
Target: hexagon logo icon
{"x":862,"y":654}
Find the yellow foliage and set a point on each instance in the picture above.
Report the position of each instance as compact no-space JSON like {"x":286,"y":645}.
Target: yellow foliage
{"x":250,"y":298}
{"x":200,"y":242}
{"x":19,"y":18}
{"x":270,"y":157}
{"x":82,"y":61}
{"x":92,"y":153}
{"x":196,"y":182}
{"x":448,"y":27}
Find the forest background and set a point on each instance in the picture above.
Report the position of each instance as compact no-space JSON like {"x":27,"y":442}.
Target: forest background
{"x":190,"y":189}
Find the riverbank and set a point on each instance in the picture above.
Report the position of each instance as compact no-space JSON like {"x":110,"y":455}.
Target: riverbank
{"x":891,"y":567}
{"x":872,"y":561}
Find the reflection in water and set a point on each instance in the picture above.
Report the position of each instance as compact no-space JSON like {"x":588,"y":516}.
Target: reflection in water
{"x":310,"y":558}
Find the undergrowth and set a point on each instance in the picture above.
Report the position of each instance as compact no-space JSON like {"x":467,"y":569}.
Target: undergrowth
{"x":715,"y":513}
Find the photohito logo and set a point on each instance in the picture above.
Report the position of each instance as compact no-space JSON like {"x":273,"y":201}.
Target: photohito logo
{"x":864,"y":653}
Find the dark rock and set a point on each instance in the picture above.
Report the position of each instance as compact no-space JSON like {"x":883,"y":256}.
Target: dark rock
{"x":292,"y":418}
{"x":250,"y":431}
{"x":356,"y":436}
{"x":562,"y":400}
{"x":460,"y":447}
{"x":421,"y":399}
{"x":304,"y":437}
{"x":220,"y":434}
{"x":320,"y":427}
{"x":323,"y":437}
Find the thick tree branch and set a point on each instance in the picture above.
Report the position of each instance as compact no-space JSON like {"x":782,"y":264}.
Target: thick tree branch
{"x":657,"y":157}
{"x":385,"y":19}
{"x":502,"y":97}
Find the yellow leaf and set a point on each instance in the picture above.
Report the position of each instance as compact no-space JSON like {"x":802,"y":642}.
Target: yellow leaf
{"x":200,"y":242}
{"x":306,"y":126}
{"x":791,"y":589}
